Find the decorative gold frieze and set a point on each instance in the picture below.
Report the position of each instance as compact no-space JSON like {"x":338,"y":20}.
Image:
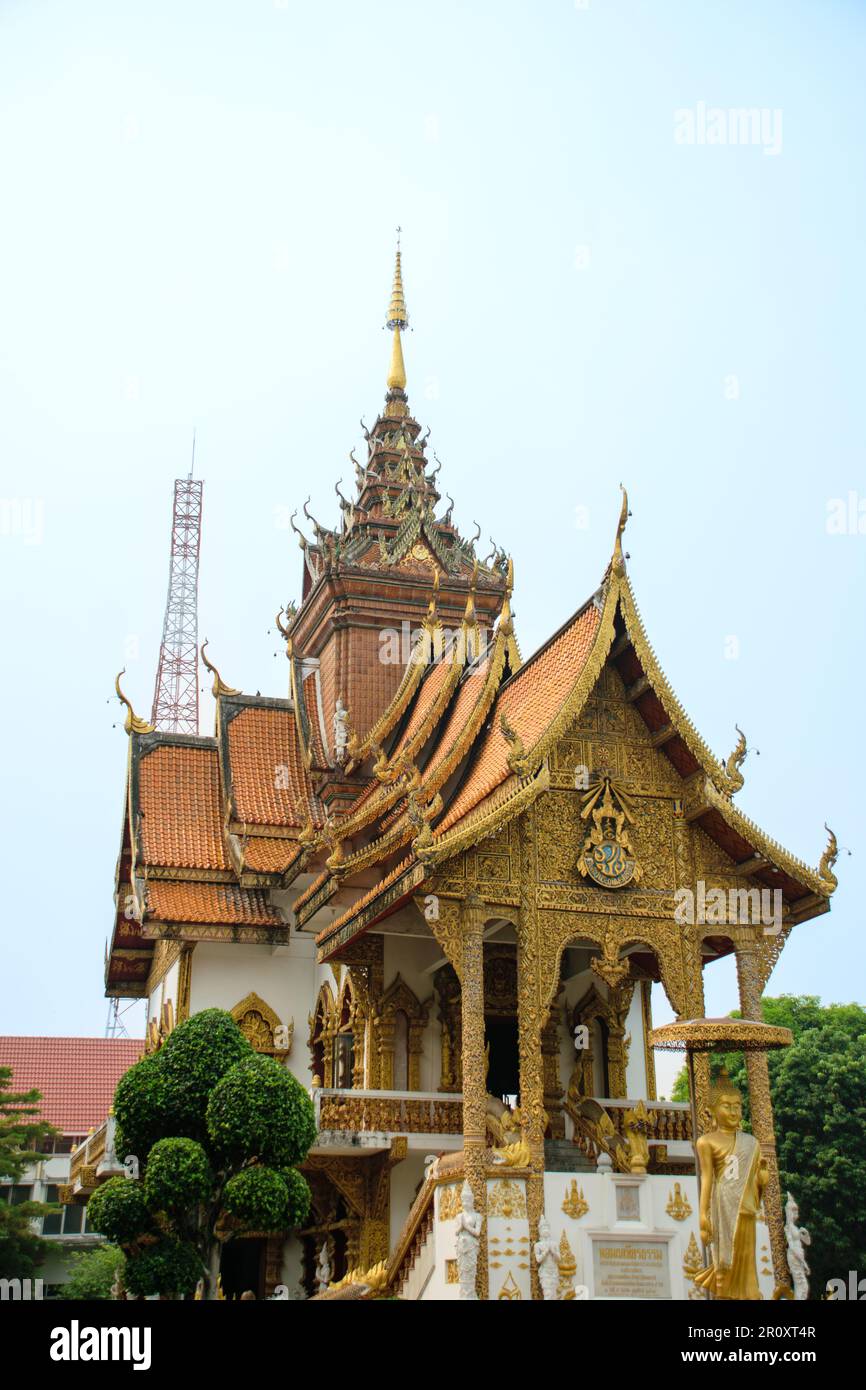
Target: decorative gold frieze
{"x":450,"y":1202}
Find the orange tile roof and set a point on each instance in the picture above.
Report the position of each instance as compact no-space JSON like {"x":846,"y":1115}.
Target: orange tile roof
{"x":429,"y":691}
{"x":368,"y":897}
{"x":468,"y":694}
{"x":209,"y":902}
{"x":530,"y":700}
{"x":310,"y":687}
{"x":311,"y":889}
{"x":179,"y":800}
{"x":270,"y":784}
{"x":77,"y":1076}
{"x":268,"y":856}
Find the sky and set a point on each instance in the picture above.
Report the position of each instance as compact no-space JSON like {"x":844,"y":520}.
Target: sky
{"x":610,"y":278}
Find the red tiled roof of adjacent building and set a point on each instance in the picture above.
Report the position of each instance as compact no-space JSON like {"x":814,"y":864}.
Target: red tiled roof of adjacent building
{"x":77,"y":1076}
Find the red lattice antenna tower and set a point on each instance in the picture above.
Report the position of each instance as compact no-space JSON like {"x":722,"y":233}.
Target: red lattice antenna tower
{"x":175,"y":695}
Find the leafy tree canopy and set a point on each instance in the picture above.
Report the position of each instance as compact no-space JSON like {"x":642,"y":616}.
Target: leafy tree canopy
{"x":217,"y":1130}
{"x":21,"y":1130}
{"x":93,"y":1273}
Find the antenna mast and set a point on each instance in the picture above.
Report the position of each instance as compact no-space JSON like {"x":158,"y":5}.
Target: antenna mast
{"x":175,"y":695}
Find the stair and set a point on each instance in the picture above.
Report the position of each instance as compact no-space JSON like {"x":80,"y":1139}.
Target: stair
{"x":561,"y":1156}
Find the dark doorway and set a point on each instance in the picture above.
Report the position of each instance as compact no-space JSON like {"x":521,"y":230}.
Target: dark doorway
{"x":503,"y":1074}
{"x":242,"y":1267}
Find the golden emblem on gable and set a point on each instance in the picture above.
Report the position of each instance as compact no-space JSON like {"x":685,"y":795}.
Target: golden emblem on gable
{"x":607,"y":856}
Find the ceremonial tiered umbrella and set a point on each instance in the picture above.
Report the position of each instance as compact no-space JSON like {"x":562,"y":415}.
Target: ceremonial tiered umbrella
{"x":717,"y":1035}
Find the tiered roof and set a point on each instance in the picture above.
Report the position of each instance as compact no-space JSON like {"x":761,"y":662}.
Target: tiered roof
{"x":495,"y":753}
{"x":456,"y":745}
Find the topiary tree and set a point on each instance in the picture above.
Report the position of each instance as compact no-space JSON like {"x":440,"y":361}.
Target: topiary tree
{"x":217,"y":1130}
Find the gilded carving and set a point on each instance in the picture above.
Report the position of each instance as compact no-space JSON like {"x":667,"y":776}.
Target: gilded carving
{"x":506,"y":1198}
{"x":574,"y":1203}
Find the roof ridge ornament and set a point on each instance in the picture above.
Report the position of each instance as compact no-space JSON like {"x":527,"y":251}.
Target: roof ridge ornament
{"x":618,"y":562}
{"x":506,"y":620}
{"x":219,"y":686}
{"x":133,"y":724}
{"x":398,"y":322}
{"x":828,"y":859}
{"x":736,"y":760}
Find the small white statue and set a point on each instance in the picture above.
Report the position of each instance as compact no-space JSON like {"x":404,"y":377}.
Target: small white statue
{"x":797,"y":1237}
{"x":547,"y":1259}
{"x":323,"y":1269}
{"x":341,"y":731}
{"x":469,"y":1225}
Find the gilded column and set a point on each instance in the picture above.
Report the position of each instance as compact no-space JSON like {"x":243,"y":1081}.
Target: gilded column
{"x":474,"y":1077}
{"x":760,"y":1103}
{"x":685,"y":874}
{"x":532,"y":1014}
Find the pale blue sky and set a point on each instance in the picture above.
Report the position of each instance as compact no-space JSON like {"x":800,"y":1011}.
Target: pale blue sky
{"x":198,"y":204}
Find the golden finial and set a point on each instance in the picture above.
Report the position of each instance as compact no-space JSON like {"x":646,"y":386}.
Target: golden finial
{"x":506,"y":622}
{"x":736,"y":760}
{"x":624,"y":515}
{"x":434,"y":599}
{"x":828,"y":859}
{"x":219,"y":686}
{"x":469,"y":614}
{"x":308,"y":833}
{"x":132,"y":724}
{"x":397,"y":320}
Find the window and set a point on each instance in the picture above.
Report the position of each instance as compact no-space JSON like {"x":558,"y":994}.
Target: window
{"x":16,"y":1193}
{"x":68,"y":1221}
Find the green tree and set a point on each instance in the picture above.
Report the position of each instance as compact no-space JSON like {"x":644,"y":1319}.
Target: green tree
{"x":218,"y":1131}
{"x":93,"y":1273}
{"x":818,"y":1089}
{"x":21,"y":1130}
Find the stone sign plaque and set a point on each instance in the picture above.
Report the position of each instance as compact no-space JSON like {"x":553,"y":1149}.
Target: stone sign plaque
{"x":630,"y":1267}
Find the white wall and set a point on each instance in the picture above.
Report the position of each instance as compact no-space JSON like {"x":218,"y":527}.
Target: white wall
{"x":283,"y":976}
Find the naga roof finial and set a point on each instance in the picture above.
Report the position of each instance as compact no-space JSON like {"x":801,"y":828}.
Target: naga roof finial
{"x":133,"y":724}
{"x":219,"y":686}
{"x":434,"y":599}
{"x":398,"y":321}
{"x":828,"y":859}
{"x":506,"y":621}
{"x":736,"y":760}
{"x":618,"y":559}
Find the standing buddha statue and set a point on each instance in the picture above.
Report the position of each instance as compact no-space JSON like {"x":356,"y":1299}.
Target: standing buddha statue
{"x":733,"y":1178}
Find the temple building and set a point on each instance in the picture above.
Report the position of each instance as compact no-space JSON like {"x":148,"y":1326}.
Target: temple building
{"x":439,"y":880}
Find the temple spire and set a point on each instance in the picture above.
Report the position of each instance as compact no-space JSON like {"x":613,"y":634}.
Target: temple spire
{"x":397,"y":321}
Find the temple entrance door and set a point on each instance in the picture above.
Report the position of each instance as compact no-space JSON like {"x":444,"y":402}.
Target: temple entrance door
{"x":503,"y":1074}
{"x":242,"y":1267}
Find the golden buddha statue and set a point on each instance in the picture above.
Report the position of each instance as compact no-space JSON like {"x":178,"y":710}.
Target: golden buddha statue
{"x":733,"y":1178}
